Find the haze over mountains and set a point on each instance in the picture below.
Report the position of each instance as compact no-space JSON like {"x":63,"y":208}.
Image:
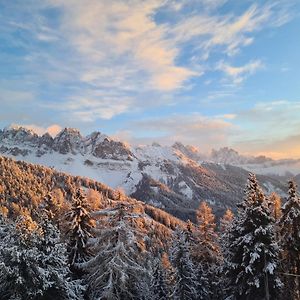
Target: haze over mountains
{"x":175,"y":178}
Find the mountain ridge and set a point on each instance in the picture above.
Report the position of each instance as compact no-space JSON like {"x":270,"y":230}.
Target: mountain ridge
{"x":174,"y":178}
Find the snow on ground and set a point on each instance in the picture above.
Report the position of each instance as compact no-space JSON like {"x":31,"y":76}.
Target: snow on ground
{"x":185,"y":190}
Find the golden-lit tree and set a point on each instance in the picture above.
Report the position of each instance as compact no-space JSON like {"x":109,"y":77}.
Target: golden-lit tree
{"x":226,"y":220}
{"x":275,"y":203}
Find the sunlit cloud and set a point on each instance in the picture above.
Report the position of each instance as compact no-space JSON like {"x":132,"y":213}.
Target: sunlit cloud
{"x":53,"y":129}
{"x":239,"y":74}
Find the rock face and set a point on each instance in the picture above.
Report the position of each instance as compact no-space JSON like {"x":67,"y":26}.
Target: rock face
{"x":175,"y":178}
{"x":103,"y":147}
{"x":68,"y":141}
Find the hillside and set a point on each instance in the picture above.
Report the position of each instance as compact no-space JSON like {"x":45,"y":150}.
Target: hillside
{"x":25,"y":186}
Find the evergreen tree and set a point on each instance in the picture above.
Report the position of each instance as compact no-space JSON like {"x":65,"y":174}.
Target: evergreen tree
{"x":79,"y":225}
{"x":225,"y":229}
{"x":117,"y":270}
{"x":33,"y":264}
{"x":159,"y":284}
{"x":226,"y":224}
{"x":252,"y":260}
{"x":186,"y":283}
{"x":289,"y":225}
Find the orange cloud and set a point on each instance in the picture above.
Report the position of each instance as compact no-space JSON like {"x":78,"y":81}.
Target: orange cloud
{"x":53,"y":130}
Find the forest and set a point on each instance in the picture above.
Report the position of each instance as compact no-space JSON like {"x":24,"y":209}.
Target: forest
{"x":64,"y":237}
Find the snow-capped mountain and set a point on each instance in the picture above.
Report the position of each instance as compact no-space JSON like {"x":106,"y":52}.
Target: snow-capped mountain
{"x":257,"y":164}
{"x":175,"y":178}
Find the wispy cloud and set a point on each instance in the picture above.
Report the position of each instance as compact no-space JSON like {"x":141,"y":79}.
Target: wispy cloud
{"x":228,"y":31}
{"x":239,"y":74}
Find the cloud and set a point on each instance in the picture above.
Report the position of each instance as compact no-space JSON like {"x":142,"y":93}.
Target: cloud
{"x":111,"y":34}
{"x":8,"y":96}
{"x":239,"y":74}
{"x":194,"y":129}
{"x":140,"y":50}
{"x":269,"y":127}
{"x":228,"y":31}
{"x":53,"y":129}
{"x":94,"y":106}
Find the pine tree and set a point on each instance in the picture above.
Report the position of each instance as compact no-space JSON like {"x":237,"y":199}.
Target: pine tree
{"x":33,"y":264}
{"x":117,"y":270}
{"x":289,"y":225}
{"x":252,"y":260}
{"x":186,"y":283}
{"x":79,"y":225}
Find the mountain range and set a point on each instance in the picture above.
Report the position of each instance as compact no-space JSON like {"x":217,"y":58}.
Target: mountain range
{"x":174,"y":178}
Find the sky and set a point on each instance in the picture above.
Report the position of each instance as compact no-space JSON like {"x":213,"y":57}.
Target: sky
{"x":208,"y":73}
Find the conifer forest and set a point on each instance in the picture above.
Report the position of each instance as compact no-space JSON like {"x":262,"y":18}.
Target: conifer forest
{"x":65,"y":237}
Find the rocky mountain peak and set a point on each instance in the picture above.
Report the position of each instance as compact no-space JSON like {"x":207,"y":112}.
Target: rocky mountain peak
{"x":69,"y":140}
{"x":189,"y":151}
{"x":18,"y":135}
{"x":104,"y":147}
{"x":228,"y":156}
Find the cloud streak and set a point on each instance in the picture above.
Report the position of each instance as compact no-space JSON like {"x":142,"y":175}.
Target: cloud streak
{"x":238,"y":74}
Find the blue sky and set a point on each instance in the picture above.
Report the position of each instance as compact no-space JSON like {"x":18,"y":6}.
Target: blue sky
{"x":209,"y":73}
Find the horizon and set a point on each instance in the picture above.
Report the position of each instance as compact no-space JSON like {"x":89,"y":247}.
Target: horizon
{"x":206,"y":73}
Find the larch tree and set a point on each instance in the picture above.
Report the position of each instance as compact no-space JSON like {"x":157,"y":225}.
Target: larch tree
{"x":206,"y":250}
{"x":289,"y":226}
{"x":226,"y":220}
{"x":275,"y":206}
{"x":252,"y":261}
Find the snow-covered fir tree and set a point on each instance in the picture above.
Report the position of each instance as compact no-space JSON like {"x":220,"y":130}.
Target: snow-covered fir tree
{"x":252,"y":261}
{"x":186,"y":281}
{"x":226,"y":223}
{"x":79,"y":226}
{"x":159,"y":284}
{"x":33,"y":264}
{"x":117,"y":270}
{"x":289,"y":226}
{"x":225,"y":228}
